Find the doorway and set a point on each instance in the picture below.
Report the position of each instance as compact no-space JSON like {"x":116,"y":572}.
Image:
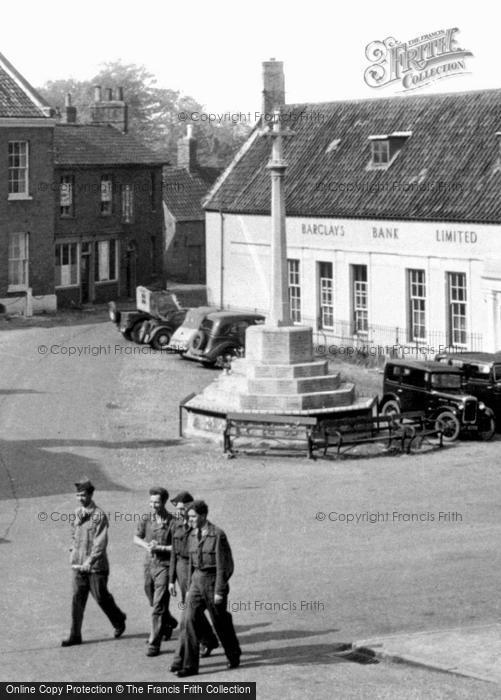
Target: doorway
{"x":131,"y":270}
{"x":85,"y":272}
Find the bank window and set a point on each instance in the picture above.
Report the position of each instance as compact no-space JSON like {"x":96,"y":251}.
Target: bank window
{"x":456,"y":307}
{"x":66,"y":190}
{"x":106,"y":195}
{"x":18,"y":169}
{"x":18,"y":261}
{"x":105,"y":255}
{"x":360,"y":300}
{"x":326,"y":295}
{"x":66,"y":264}
{"x":416,"y":284}
{"x":294,"y":290}
{"x":127,"y":204}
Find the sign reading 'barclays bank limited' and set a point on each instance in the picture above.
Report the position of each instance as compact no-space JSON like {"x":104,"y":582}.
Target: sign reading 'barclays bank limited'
{"x":415,"y":63}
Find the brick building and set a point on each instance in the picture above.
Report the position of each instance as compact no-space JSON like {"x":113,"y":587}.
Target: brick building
{"x":393,"y":221}
{"x":184,"y":188}
{"x":107,"y":195}
{"x":26,"y":202}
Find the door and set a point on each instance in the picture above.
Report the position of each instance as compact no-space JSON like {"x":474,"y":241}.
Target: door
{"x":195,"y":264}
{"x":85,"y":268}
{"x":130,"y":271}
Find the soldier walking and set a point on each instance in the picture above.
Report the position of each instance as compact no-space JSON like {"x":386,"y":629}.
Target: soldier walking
{"x":154,"y":533}
{"x":90,"y":564}
{"x":211,"y":566}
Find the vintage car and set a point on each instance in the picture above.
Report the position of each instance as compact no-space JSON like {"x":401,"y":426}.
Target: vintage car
{"x":182,"y":337}
{"x":482,"y":372}
{"x":150,"y":306}
{"x":221,"y":335}
{"x":439,"y":391}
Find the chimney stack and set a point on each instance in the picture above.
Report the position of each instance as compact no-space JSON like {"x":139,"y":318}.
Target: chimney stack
{"x":187,"y":150}
{"x":109,"y":111}
{"x":273,"y":86}
{"x":70,"y":112}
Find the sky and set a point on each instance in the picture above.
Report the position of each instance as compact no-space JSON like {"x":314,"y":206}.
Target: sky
{"x":213,"y":51}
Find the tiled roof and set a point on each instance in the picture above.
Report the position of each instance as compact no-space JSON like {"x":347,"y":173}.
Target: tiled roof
{"x":448,"y":169}
{"x":183,"y":191}
{"x":17,"y":97}
{"x":90,"y":144}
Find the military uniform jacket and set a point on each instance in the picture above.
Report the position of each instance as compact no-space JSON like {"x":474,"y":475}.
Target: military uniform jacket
{"x":212,"y":555}
{"x":149,"y":529}
{"x":180,"y":534}
{"x":90,"y":538}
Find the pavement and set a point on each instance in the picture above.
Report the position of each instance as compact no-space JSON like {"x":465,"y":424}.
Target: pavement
{"x":466,"y":651}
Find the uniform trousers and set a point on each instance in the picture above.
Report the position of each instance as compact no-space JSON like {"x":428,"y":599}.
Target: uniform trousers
{"x":156,"y":587}
{"x":97,"y":584}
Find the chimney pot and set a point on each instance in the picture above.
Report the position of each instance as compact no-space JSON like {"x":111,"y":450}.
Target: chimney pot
{"x":109,"y":94}
{"x":189,"y":131}
{"x":187,"y":150}
{"x":97,"y":93}
{"x":67,"y":101}
{"x":120,"y":94}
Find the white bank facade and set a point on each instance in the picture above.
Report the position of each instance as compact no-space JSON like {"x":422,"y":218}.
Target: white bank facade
{"x":383,"y":287}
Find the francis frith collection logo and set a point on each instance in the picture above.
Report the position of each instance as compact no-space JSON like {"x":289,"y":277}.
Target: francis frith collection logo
{"x":415,"y":63}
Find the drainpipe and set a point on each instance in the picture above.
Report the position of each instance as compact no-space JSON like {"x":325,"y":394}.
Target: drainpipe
{"x":221,"y":225}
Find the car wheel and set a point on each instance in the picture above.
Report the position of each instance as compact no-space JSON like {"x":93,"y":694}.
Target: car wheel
{"x":449,"y":425}
{"x":113,"y":313}
{"x":161,"y":340}
{"x":390,"y":407}
{"x":486,"y":425}
{"x":135,"y":331}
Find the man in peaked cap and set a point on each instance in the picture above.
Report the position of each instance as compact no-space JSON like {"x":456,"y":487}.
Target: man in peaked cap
{"x":90,"y":564}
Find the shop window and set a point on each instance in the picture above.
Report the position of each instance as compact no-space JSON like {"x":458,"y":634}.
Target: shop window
{"x":294,"y":290}
{"x":416,"y":285}
{"x":66,"y":264}
{"x":105,"y":256}
{"x":18,"y":261}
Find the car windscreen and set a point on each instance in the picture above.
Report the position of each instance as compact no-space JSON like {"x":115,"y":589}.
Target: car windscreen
{"x":445,"y":380}
{"x":206,"y":325}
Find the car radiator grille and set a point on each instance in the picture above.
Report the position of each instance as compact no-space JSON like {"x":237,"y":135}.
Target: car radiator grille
{"x":470,"y":411}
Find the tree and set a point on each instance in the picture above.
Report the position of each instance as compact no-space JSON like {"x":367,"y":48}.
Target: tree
{"x":152,"y":112}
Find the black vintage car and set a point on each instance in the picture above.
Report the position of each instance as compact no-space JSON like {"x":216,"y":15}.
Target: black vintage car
{"x":440,"y":391}
{"x":221,"y":334}
{"x":482,"y":372}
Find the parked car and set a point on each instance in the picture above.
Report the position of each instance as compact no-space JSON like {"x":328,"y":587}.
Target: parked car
{"x":183,"y":336}
{"x":439,"y":391}
{"x":158,"y":331}
{"x":132,"y":322}
{"x":221,"y":333}
{"x":482,"y":373}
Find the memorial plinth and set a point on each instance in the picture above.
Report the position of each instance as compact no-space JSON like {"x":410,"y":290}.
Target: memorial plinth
{"x":279,"y":376}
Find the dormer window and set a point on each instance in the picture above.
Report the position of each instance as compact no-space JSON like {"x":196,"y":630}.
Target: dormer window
{"x":385,"y":148}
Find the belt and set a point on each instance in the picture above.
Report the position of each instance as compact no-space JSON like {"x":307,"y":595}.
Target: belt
{"x":207,"y":570}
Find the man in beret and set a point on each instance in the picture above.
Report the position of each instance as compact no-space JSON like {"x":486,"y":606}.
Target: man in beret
{"x":90,"y":564}
{"x":154,"y":534}
{"x":179,"y":571}
{"x":211,"y":566}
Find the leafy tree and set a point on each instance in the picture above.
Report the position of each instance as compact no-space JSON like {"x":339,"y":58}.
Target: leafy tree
{"x":152,"y":112}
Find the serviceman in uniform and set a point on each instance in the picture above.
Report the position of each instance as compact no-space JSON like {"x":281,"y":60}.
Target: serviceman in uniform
{"x":154,"y":533}
{"x":90,"y":564}
{"x":211,"y":566}
{"x":179,"y":571}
